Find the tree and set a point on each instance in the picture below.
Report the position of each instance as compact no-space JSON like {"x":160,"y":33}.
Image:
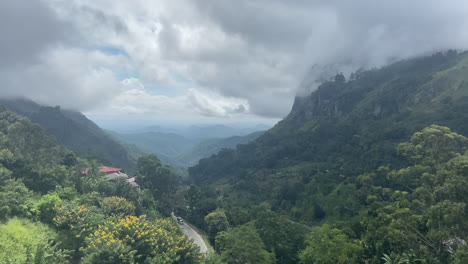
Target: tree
{"x":117,"y":206}
{"x":425,"y":208}
{"x":281,"y":236}
{"x":154,"y":176}
{"x":46,"y":207}
{"x":138,"y":240}
{"x":243,"y":245}
{"x":434,"y":144}
{"x":15,"y":199}
{"x":216,"y":222}
{"x":328,"y":245}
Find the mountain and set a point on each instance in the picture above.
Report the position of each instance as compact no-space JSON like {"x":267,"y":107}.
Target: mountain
{"x":76,"y":132}
{"x":218,"y":131}
{"x":164,"y":144}
{"x":340,"y":131}
{"x":212,"y":146}
{"x":201,"y":132}
{"x":183,"y":151}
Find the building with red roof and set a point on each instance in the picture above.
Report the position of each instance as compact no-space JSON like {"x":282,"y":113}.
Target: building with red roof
{"x":109,"y":169}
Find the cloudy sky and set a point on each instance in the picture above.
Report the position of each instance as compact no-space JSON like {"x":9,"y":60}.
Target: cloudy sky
{"x":192,"y":60}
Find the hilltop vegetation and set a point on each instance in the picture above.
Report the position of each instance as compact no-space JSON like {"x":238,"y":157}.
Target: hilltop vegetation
{"x":337,"y":163}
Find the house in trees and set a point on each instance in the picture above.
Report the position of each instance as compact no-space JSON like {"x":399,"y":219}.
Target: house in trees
{"x":114,"y":174}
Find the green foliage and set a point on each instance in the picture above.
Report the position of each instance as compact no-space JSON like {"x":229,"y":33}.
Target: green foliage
{"x":281,"y":236}
{"x":434,"y":144}
{"x":74,"y":130}
{"x":400,"y":259}
{"x":212,"y":258}
{"x":137,"y":240}
{"x":117,"y":206}
{"x":336,"y":159}
{"x":154,"y":176}
{"x":76,"y":221}
{"x":340,"y":131}
{"x":216,"y":222}
{"x":22,"y":241}
{"x":15,"y":200}
{"x":243,"y":245}
{"x":425,"y":209}
{"x":46,"y":207}
{"x":332,"y":164}
{"x":43,"y":182}
{"x":326,"y":244}
{"x":460,"y":256}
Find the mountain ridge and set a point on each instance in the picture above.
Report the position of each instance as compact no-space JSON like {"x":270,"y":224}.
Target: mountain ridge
{"x":75,"y":131}
{"x":343,"y":129}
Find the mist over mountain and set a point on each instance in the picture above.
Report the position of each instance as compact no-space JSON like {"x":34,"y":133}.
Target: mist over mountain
{"x":182,"y":147}
{"x":343,"y":129}
{"x":73,"y":130}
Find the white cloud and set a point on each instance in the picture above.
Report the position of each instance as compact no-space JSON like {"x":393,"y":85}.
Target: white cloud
{"x":74,"y":78}
{"x":215,"y":105}
{"x":219,"y":58}
{"x":134,"y":100}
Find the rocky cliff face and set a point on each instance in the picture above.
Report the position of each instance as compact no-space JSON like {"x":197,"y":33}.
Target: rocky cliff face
{"x":358,"y":121}
{"x":396,"y":88}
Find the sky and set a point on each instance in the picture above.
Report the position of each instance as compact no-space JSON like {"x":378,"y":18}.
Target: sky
{"x":207,"y":60}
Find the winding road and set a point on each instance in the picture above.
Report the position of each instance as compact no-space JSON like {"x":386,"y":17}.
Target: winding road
{"x":197,"y":239}
{"x":191,"y":233}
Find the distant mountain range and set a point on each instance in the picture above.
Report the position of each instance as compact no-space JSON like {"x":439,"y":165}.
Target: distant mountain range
{"x":180,"y":147}
{"x":201,"y":132}
{"x":184,"y":147}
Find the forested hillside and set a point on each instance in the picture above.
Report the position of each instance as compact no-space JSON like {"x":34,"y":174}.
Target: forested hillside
{"x":76,"y":132}
{"x":338,"y":162}
{"x":58,"y":208}
{"x":211,"y":146}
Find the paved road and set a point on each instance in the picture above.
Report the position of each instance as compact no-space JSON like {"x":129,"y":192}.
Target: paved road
{"x":191,"y":233}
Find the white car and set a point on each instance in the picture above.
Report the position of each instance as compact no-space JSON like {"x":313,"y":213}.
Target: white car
{"x":180,"y":220}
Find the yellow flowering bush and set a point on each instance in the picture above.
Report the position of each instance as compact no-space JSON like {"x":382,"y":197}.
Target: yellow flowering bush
{"x":117,"y":206}
{"x":75,"y":221}
{"x":133,"y":239}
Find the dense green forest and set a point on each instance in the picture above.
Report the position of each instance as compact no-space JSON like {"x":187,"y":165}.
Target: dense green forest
{"x":364,"y":170}
{"x":373,"y":169}
{"x":52,"y":212}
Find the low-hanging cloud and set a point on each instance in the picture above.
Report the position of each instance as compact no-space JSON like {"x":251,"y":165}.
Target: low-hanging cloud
{"x":41,"y":59}
{"x":254,"y":56}
{"x":325,"y":37}
{"x":27,"y":28}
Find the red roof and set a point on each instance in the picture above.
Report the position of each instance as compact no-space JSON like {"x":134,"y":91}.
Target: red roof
{"x":108,"y":169}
